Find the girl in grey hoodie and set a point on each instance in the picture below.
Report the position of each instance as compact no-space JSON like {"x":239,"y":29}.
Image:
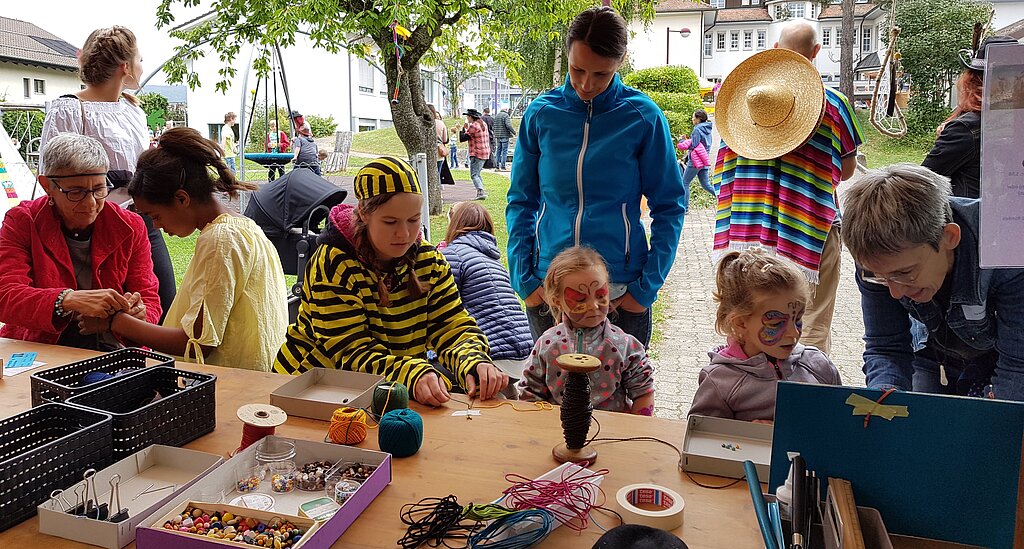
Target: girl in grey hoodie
{"x":761,"y":300}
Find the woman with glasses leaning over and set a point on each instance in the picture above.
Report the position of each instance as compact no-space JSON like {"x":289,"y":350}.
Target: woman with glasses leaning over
{"x":916,"y":249}
{"x":69,"y":255}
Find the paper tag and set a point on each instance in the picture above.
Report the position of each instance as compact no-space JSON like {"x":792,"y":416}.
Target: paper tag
{"x":21,"y":359}
{"x":462,"y":413}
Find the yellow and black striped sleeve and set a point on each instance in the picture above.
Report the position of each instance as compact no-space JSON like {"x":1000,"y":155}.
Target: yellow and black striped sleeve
{"x":452,"y":332}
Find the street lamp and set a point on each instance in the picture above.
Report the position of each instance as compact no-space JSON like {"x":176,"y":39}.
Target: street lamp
{"x":684,"y":32}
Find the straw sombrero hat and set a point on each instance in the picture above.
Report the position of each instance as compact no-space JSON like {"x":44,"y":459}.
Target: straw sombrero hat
{"x":770,"y":104}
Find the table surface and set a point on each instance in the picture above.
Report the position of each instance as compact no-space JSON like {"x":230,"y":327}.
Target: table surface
{"x":467,"y":458}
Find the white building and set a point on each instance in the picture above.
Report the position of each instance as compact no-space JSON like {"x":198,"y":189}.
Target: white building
{"x":1007,"y":13}
{"x":35,"y":66}
{"x":673,"y":38}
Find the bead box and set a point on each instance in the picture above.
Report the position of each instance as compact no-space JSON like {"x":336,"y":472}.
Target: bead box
{"x":719,"y":446}
{"x":148,"y":470}
{"x":317,"y":393}
{"x":152,"y":535}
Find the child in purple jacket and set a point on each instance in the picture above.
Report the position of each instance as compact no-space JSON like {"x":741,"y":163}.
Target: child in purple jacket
{"x":761,"y":300}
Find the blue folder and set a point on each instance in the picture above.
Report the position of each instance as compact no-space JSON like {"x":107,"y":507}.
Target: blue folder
{"x":949,"y":470}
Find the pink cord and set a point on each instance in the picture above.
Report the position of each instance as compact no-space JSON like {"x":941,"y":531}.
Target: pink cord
{"x":568,"y":499}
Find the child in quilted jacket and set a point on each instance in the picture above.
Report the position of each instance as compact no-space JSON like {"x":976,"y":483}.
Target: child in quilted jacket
{"x":576,"y":289}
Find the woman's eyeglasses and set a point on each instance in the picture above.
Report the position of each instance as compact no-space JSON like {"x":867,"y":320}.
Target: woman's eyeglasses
{"x":78,"y":194}
{"x":903,"y":279}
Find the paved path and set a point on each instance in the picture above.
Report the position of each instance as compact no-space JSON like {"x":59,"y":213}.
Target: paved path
{"x":689,"y":327}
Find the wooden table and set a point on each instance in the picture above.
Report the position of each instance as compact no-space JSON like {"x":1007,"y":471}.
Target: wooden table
{"x":468,"y":458}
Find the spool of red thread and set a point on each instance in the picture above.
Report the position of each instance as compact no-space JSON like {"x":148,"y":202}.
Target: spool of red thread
{"x":260,"y":420}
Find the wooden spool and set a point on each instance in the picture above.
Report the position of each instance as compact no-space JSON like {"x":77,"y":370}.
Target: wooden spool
{"x":576,"y":364}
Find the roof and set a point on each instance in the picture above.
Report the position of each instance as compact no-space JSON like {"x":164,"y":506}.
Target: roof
{"x":1015,"y":30}
{"x":736,"y":15}
{"x":669,"y":6}
{"x":174,"y":94}
{"x":23,"y":42}
{"x":870,"y":61}
{"x":835,"y":11}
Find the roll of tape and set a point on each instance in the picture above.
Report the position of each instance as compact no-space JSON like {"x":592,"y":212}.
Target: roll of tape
{"x":669,"y":513}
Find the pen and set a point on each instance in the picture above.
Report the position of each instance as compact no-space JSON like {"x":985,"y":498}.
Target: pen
{"x":799,"y":502}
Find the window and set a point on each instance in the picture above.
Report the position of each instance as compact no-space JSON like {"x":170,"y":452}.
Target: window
{"x":746,"y":2}
{"x":778,"y":11}
{"x":839,"y":37}
{"x":427,"y":78}
{"x":215,"y":131}
{"x":761,"y":39}
{"x":796,"y":9}
{"x":718,"y":4}
{"x":814,"y":10}
{"x":367,"y":124}
{"x":720,"y":44}
{"x":826,"y":37}
{"x":865,"y":42}
{"x":382,"y":83}
{"x":39,"y":86}
{"x":734,"y":40}
{"x":28,"y":87}
{"x":707,"y":45}
{"x":366,"y":78}
{"x":748,"y":39}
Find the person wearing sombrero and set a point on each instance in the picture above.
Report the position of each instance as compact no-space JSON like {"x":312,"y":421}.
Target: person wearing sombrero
{"x":377,"y":296}
{"x":787,"y":143}
{"x":957,"y":150}
{"x":479,"y":147}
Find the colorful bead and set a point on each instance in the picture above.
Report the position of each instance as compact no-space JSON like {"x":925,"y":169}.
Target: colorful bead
{"x":277,"y":533}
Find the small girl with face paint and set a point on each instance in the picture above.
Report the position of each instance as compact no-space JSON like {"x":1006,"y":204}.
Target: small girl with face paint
{"x":761,"y":300}
{"x":576,"y":289}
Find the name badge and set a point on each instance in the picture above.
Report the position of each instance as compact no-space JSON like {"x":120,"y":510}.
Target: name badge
{"x":974,"y":312}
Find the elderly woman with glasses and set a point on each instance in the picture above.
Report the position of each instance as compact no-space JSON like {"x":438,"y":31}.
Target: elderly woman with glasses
{"x":69,"y":256}
{"x":916,"y":248}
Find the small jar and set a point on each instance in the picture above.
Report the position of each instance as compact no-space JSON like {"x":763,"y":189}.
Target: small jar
{"x":272,"y":449}
{"x":313,"y":476}
{"x":344,"y":490}
{"x":282,"y":476}
{"x":249,"y":477}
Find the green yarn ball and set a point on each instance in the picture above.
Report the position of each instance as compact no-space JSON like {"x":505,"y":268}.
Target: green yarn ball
{"x":394,"y":394}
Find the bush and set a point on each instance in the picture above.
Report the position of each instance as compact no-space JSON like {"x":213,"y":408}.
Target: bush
{"x":679,"y":123}
{"x":155,"y":107}
{"x":673,"y":78}
{"x":23,"y":126}
{"x":320,"y":126}
{"x":924,"y":116}
{"x":677,"y":102}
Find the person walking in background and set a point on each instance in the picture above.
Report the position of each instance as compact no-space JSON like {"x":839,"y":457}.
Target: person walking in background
{"x":475,"y":131}
{"x":110,"y":63}
{"x":485,"y":289}
{"x":777,"y":175}
{"x":441,"y":134}
{"x":503,"y":130}
{"x":698,"y":147}
{"x":586,"y":153}
{"x":306,"y":154}
{"x":489,"y":120}
{"x":228,"y":139}
{"x":275,"y":142}
{"x":453,"y":145}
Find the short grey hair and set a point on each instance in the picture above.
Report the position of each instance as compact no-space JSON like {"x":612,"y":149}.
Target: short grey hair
{"x":890,"y":210}
{"x":74,"y":153}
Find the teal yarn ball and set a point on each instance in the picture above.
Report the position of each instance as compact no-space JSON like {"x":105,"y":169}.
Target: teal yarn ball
{"x":389,"y":396}
{"x":400,"y":432}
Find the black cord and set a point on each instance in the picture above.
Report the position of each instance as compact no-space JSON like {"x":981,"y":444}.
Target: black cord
{"x":435,"y":521}
{"x":577,"y":410}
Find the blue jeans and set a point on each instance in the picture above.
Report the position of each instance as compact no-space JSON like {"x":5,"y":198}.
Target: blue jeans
{"x":702,"y":175}
{"x":502,"y":153}
{"x":230,"y":160}
{"x":637,"y":325}
{"x":476,"y":165}
{"x":453,"y":156}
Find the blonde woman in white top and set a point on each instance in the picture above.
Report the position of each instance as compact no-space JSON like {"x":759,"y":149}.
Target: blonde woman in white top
{"x":109,"y":64}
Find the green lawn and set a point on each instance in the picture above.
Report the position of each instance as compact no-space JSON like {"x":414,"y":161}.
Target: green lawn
{"x":881,"y":150}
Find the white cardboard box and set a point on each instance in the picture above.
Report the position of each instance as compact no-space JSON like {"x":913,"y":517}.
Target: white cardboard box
{"x":719,"y":446}
{"x":156,"y":465}
{"x":317,"y":393}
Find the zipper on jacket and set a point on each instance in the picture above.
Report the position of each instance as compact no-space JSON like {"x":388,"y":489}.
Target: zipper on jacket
{"x":579,"y":340}
{"x":536,"y":231}
{"x":579,"y":170}
{"x":625,"y":223}
{"x":775,"y":366}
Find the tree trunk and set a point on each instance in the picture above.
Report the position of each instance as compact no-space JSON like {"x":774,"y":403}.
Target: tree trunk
{"x":414,"y":122}
{"x":846,"y":51}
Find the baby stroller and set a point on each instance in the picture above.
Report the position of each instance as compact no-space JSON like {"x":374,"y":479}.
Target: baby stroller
{"x":287,"y":210}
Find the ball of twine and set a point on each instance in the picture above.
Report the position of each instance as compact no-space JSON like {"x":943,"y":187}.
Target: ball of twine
{"x":400,"y":433}
{"x":389,"y":396}
{"x":348,"y":426}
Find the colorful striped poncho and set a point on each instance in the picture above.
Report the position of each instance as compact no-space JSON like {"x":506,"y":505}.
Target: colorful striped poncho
{"x":786,"y":205}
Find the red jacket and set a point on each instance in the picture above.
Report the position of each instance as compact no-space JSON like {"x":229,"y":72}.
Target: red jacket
{"x":282,"y":142}
{"x":35,"y":265}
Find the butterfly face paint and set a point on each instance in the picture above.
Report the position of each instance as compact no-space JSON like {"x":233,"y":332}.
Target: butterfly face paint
{"x":585,"y":299}
{"x":774,"y":328}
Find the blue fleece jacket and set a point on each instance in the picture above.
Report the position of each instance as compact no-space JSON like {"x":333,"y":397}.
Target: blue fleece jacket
{"x":579,"y":171}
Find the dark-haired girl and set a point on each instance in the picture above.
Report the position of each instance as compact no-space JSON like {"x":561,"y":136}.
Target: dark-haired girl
{"x":230,"y":309}
{"x":376,"y":297}
{"x":586,"y":154}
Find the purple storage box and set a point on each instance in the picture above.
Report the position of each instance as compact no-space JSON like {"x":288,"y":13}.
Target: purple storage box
{"x":152,"y":535}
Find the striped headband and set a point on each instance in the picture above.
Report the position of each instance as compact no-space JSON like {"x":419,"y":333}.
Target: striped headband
{"x":384,"y":175}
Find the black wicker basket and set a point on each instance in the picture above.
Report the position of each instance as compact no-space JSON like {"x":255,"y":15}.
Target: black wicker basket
{"x":185,"y":411}
{"x":63,"y":382}
{"x":46,"y":448}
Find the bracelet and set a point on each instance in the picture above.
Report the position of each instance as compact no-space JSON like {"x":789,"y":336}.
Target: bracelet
{"x":58,"y":306}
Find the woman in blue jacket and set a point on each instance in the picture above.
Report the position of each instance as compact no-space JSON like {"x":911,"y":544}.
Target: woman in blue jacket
{"x":483,"y":283}
{"x":585,"y":155}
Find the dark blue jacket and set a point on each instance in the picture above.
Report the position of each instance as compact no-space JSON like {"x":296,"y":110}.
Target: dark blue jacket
{"x":487,"y":294}
{"x":702,"y":134}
